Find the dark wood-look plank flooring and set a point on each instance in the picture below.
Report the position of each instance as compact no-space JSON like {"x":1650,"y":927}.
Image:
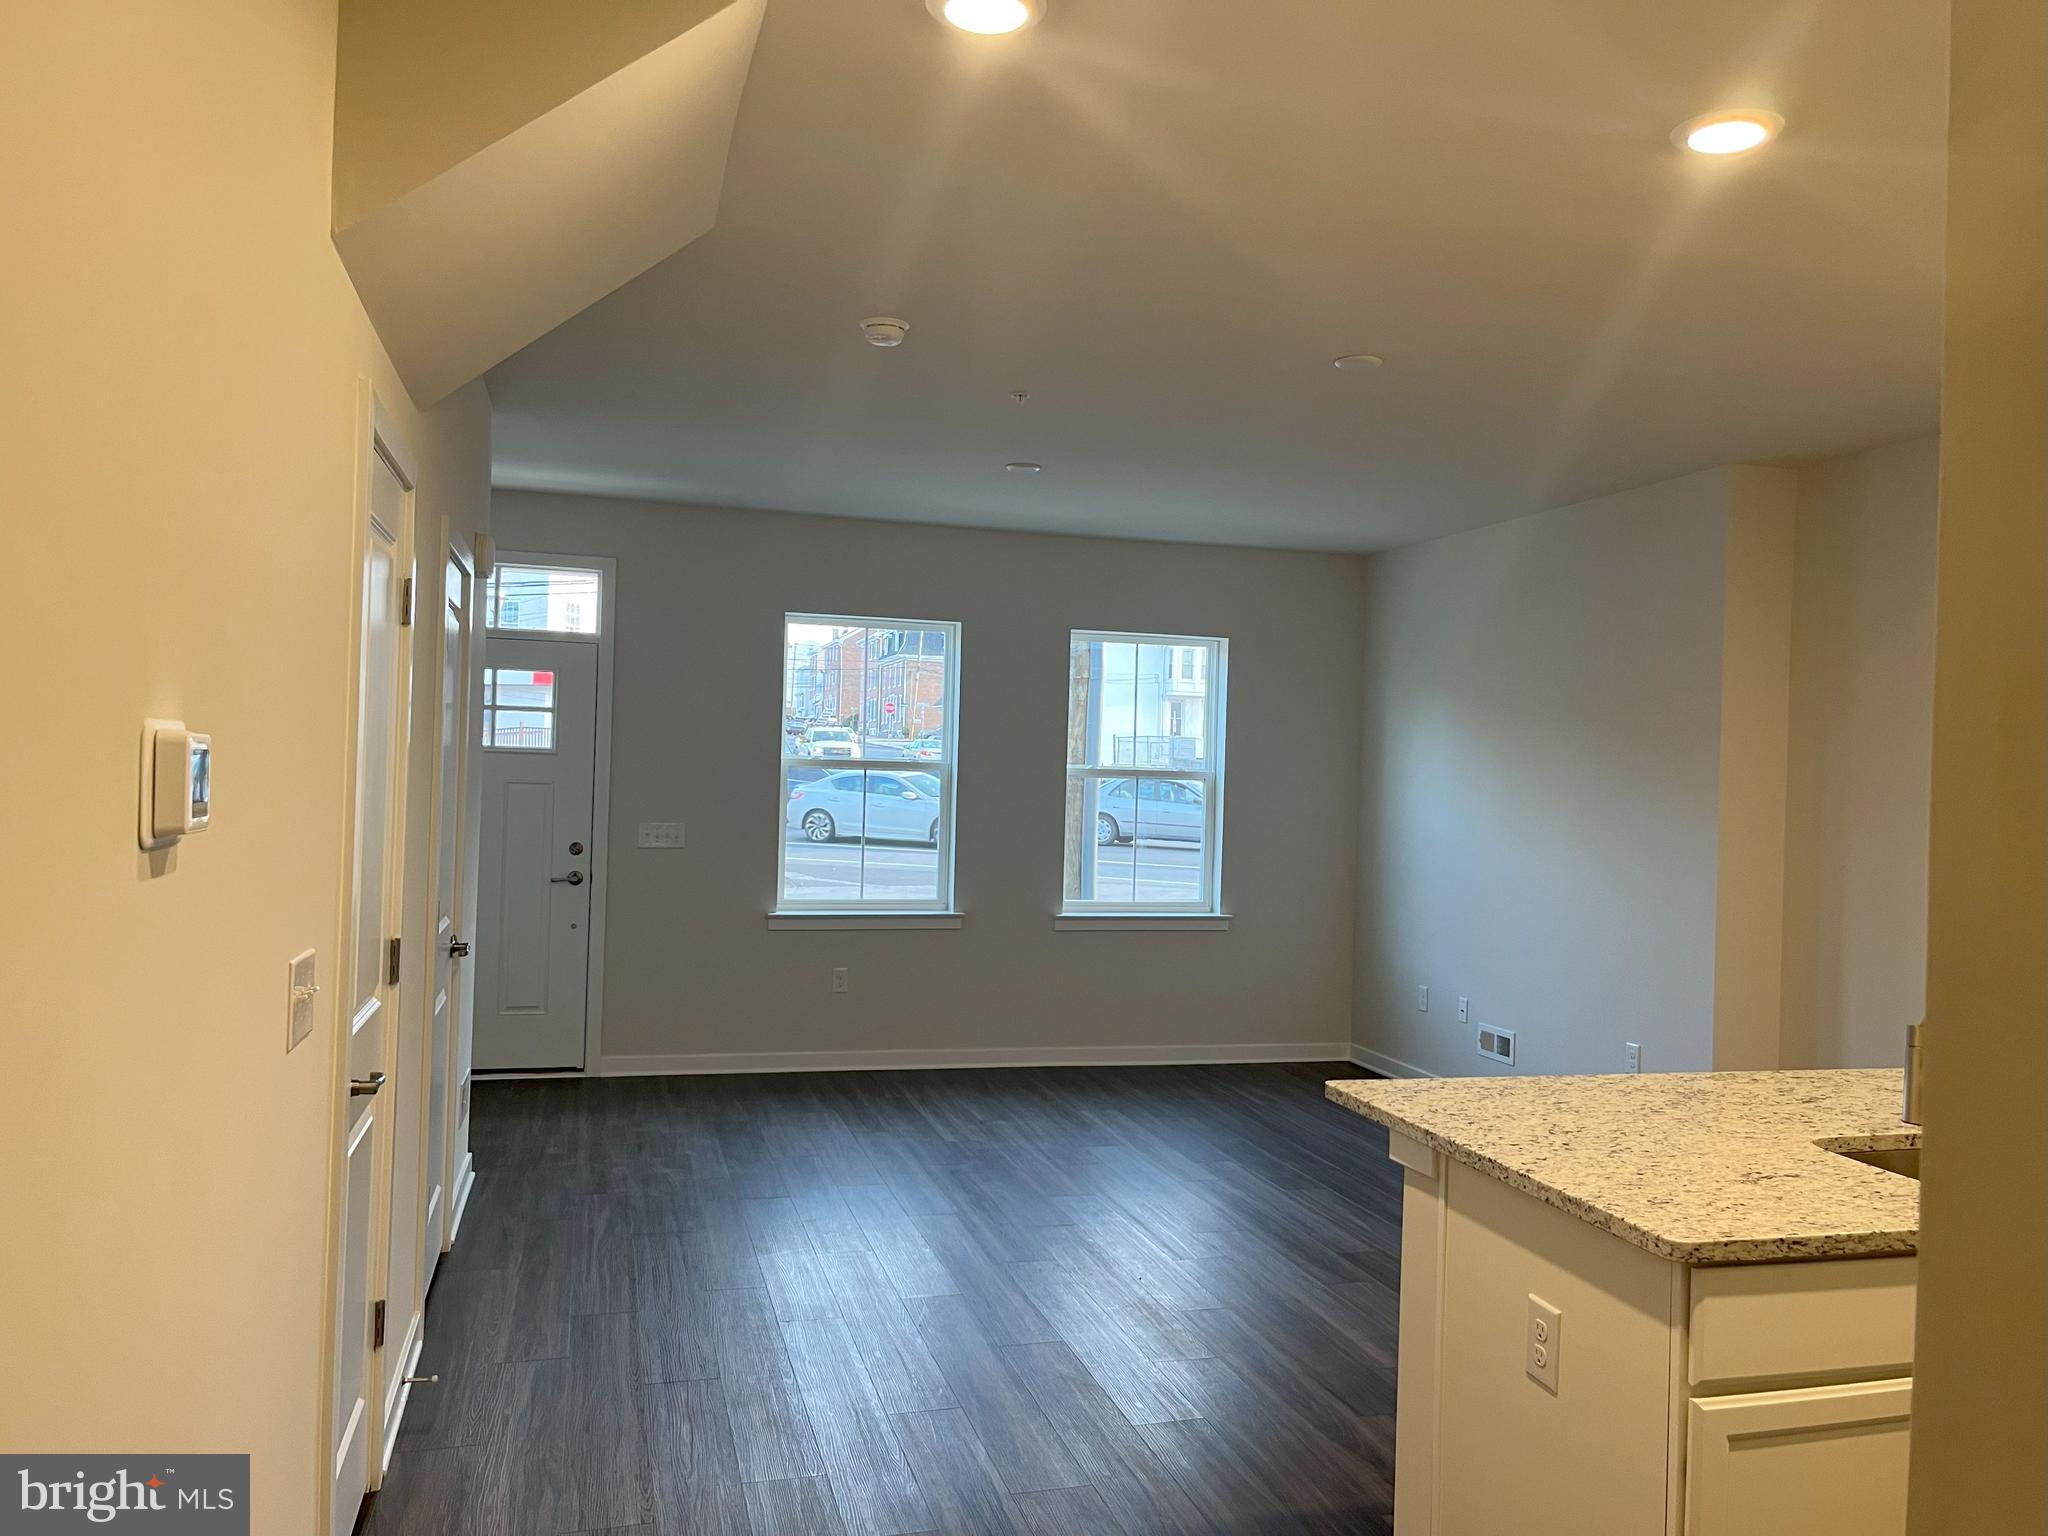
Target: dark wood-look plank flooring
{"x":1118,"y":1302}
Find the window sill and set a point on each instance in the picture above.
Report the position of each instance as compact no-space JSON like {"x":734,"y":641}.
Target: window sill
{"x":857,"y":921}
{"x":1122,"y":922}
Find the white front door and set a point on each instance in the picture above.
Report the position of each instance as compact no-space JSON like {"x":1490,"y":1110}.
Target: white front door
{"x":377,"y":871}
{"x":532,"y":947}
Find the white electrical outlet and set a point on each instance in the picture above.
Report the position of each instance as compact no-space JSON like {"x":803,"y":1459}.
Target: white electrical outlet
{"x":1631,"y":1056}
{"x":661,"y":834}
{"x":1540,"y":1345}
{"x":1422,"y":999}
{"x":1497,"y":1044}
{"x":839,"y":981}
{"x":1464,"y":1010}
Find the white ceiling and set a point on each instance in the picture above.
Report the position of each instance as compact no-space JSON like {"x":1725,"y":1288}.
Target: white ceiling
{"x":1163,"y":219}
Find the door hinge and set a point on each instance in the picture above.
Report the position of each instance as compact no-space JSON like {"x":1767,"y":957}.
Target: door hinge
{"x":376,"y":1325}
{"x":405,"y":604}
{"x":391,"y":972}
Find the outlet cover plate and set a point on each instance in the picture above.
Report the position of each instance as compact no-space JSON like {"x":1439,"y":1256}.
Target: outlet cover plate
{"x":303,"y":987}
{"x":661,"y":834}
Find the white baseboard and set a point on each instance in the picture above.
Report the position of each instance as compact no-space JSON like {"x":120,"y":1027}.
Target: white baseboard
{"x":465,"y":1181}
{"x":1386,"y":1066}
{"x":1001,"y":1056}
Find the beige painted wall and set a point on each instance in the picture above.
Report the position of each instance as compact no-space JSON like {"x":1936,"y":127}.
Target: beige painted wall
{"x":1980,"y":1390}
{"x":1542,"y":729}
{"x":1862,"y":717}
{"x":177,"y":457}
{"x":691,"y":967}
{"x":424,"y":87}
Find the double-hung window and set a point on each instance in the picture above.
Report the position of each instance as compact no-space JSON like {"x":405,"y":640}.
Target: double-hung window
{"x":1144,"y":828}
{"x":869,"y":726}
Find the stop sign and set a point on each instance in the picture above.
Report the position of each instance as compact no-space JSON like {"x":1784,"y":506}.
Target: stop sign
{"x":889,"y":708}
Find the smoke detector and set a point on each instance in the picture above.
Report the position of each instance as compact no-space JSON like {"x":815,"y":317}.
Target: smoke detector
{"x":884,"y":330}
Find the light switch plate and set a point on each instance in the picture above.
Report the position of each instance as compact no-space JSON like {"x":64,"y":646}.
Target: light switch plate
{"x":1541,"y":1343}
{"x":303,"y":985}
{"x":661,"y":834}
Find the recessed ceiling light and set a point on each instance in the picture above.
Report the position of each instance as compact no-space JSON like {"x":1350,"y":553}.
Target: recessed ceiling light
{"x":1021,"y":467}
{"x":987,"y":18}
{"x":1728,"y":133}
{"x":1351,"y":360}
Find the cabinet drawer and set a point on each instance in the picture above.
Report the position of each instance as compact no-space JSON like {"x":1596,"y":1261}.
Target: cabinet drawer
{"x":1792,"y":1463}
{"x":1843,"y":1319}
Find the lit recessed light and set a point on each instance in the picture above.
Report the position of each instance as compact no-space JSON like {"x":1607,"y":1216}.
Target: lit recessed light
{"x":1351,"y":360}
{"x":1728,"y":133}
{"x":1022,"y":467}
{"x":987,"y":18}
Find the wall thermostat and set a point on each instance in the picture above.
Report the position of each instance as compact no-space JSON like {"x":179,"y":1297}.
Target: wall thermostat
{"x":177,"y":782}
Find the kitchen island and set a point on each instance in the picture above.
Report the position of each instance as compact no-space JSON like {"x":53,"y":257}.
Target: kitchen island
{"x":1677,"y":1303}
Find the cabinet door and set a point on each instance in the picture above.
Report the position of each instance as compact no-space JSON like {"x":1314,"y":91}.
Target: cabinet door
{"x":1791,"y":1463}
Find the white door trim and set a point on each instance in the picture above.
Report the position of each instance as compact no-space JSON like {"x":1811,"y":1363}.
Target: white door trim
{"x":375,"y":424}
{"x":601,"y":787}
{"x":389,"y":1397}
{"x":456,"y":549}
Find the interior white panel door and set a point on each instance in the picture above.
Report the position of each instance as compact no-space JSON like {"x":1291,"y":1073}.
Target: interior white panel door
{"x":445,"y":963}
{"x":532,"y":947}
{"x":371,"y":994}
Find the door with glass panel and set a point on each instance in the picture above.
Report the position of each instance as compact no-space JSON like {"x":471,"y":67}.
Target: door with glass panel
{"x":532,"y":948}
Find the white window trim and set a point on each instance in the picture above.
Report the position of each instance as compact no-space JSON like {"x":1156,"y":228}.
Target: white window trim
{"x":1137,"y":922}
{"x":857,"y":914}
{"x":797,"y":922}
{"x":603,"y":565}
{"x":1215,"y":694}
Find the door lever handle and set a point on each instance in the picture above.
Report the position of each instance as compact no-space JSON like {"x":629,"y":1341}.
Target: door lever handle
{"x":574,"y":877}
{"x":458,"y":949}
{"x":363,"y":1087}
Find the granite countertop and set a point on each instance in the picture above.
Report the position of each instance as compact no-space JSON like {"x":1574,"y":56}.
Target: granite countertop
{"x":1698,"y":1167}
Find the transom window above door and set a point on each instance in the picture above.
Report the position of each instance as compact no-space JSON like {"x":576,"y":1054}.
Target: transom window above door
{"x":867,"y":764}
{"x":543,"y":599}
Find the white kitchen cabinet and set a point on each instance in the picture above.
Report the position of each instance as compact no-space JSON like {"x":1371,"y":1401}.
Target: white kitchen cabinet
{"x":1757,"y":1399}
{"x":1799,"y":1461}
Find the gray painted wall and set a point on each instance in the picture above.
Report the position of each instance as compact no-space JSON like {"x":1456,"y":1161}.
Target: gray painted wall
{"x":692,"y":968}
{"x":1545,"y":704}
{"x":1541,"y":784}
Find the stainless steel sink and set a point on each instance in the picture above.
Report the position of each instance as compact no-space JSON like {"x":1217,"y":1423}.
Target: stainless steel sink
{"x":1905,"y":1160}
